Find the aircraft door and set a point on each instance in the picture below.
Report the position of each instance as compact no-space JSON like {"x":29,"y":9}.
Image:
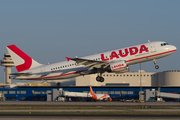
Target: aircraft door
{"x":152,"y":47}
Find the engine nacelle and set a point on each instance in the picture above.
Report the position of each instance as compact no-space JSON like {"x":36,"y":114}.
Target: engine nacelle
{"x":119,"y":66}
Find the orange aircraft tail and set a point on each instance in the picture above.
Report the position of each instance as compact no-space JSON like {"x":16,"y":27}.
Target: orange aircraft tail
{"x":92,"y":93}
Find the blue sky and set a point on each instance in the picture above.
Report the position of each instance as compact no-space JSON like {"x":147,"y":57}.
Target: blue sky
{"x":50,"y":30}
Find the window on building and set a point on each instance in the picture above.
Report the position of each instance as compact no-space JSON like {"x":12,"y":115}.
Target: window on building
{"x":123,"y":92}
{"x":11,"y":92}
{"x":104,"y":92}
{"x":117,"y":92}
{"x":5,"y":92}
{"x":23,"y":92}
{"x":98,"y":92}
{"x":111,"y":92}
{"x":130,"y":92}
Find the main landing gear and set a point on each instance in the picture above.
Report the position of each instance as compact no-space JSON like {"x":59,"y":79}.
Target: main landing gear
{"x":99,"y":79}
{"x":156,"y":66}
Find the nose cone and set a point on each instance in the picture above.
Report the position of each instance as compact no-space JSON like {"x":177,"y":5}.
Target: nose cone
{"x":171,"y":48}
{"x":175,"y":48}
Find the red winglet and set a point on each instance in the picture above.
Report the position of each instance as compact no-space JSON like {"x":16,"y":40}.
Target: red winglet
{"x":68,"y":59}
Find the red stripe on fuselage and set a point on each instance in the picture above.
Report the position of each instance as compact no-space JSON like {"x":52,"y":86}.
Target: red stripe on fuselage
{"x":57,"y":75}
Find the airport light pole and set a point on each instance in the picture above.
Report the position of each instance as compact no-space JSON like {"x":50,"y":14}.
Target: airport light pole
{"x":140,"y":92}
{"x":140,"y":79}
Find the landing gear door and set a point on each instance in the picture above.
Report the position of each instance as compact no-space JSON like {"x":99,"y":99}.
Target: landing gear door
{"x":152,"y":47}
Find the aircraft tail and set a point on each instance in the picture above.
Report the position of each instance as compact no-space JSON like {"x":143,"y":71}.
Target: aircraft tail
{"x":91,"y":91}
{"x":92,"y":94}
{"x":21,"y":60}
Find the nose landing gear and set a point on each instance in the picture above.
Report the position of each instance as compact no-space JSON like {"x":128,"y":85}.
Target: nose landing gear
{"x":155,"y":63}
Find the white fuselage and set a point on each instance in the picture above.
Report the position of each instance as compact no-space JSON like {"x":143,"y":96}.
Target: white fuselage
{"x":132,"y":55}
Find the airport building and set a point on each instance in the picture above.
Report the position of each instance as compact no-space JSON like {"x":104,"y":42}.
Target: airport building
{"x":118,"y":86}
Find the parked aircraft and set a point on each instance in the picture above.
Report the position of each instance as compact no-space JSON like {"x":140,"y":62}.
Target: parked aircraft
{"x":104,"y":97}
{"x":116,"y":61}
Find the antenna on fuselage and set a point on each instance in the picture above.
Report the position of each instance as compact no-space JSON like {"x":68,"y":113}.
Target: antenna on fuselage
{"x":149,"y":41}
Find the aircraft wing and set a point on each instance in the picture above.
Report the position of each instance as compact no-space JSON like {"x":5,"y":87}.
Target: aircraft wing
{"x":90,"y":63}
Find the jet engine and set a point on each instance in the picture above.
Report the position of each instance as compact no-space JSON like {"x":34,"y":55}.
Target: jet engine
{"x":118,"y":67}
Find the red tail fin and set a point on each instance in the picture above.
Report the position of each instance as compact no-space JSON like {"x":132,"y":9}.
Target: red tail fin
{"x":21,"y":60}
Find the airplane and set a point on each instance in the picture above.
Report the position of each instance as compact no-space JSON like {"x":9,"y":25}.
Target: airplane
{"x":104,"y":97}
{"x":114,"y":61}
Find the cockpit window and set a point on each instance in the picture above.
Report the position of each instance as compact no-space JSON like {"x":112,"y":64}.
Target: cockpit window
{"x":164,"y":44}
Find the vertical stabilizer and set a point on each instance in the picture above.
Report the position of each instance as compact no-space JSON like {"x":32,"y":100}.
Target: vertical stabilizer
{"x":91,"y":91}
{"x":21,"y":60}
